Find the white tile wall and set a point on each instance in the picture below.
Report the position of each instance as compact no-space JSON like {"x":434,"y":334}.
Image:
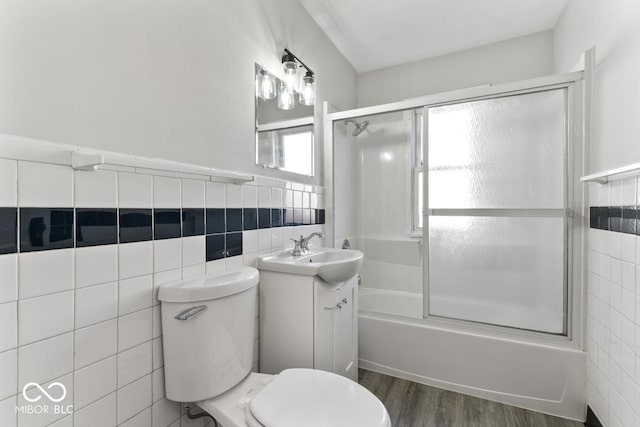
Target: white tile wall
{"x":613,"y":314}
{"x":89,"y":317}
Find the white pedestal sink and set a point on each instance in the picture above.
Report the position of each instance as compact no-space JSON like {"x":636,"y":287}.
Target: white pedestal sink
{"x":331,"y":265}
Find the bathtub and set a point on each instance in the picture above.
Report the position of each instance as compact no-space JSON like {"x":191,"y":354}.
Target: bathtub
{"x":541,"y":375}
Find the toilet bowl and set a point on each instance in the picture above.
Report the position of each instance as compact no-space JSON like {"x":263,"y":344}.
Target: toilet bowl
{"x":209,"y":334}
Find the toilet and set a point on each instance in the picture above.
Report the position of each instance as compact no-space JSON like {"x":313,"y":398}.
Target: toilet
{"x":209,"y":338}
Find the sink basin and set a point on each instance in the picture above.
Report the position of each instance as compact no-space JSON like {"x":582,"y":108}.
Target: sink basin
{"x":331,"y":265}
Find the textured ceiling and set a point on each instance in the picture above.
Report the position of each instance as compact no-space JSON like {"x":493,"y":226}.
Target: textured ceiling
{"x":374,"y":34}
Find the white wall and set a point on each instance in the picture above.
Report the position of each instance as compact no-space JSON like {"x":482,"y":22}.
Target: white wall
{"x":613,"y":27}
{"x":156,"y":77}
{"x":613,"y":367}
{"x":516,"y":59}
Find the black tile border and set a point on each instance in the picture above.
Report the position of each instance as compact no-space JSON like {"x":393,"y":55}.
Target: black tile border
{"x":192,"y":222}
{"x":619,"y":219}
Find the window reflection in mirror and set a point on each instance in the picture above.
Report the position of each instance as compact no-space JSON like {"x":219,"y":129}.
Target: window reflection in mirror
{"x":284,"y":138}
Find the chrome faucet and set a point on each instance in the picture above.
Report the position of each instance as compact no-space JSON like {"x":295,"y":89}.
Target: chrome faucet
{"x":301,"y":246}
{"x":304,"y":242}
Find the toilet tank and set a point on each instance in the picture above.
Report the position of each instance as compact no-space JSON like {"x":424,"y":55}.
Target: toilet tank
{"x":208,"y":328}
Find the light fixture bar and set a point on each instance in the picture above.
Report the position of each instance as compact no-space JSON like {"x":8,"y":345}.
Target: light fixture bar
{"x":289,"y":53}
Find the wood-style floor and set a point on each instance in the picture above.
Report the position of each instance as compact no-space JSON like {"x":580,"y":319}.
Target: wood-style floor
{"x":416,"y":405}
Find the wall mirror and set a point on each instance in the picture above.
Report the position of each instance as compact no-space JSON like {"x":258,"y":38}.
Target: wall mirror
{"x":284,"y":127}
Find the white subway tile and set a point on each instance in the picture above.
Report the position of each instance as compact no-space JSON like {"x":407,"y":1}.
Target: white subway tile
{"x":8,"y":183}
{"x":615,"y":271}
{"x":95,"y":343}
{"x":158,"y":355}
{"x":135,"y":190}
{"x":134,"y":363}
{"x":615,"y":193}
{"x":157,"y":380}
{"x":215,"y":195}
{"x":162,"y":278}
{"x":628,"y":247}
{"x":166,"y":192}
{"x":297,"y":200}
{"x":250,"y":260}
{"x":167,"y":254}
{"x":250,"y":196}
{"x":44,"y":317}
{"x":8,"y":373}
{"x":96,"y":189}
{"x":306,"y":201}
{"x":96,"y":304}
{"x":46,"y":272}
{"x":164,"y":412}
{"x":277,"y":238}
{"x":45,"y":360}
{"x":95,"y":381}
{"x":134,"y":329}
{"x":615,"y":245}
{"x":99,"y":414}
{"x":64,"y":422}
{"x":135,"y":259}
{"x":234,"y":196}
{"x":234,"y":263}
{"x":250,"y":242}
{"x":134,"y":398}
{"x":193,"y":195}
{"x":629,"y":192}
{"x":264,"y":197}
{"x":193,"y":270}
{"x":8,"y":326}
{"x":193,"y":250}
{"x":264,"y":237}
{"x":157,"y":322}
{"x":95,"y":265}
{"x":44,"y":185}
{"x":276,"y":198}
{"x":135,"y":294}
{"x":8,"y":412}
{"x":8,"y":277}
{"x":143,"y":419}
{"x":215,"y":268}
{"x":313,"y":202}
{"x":288,"y":199}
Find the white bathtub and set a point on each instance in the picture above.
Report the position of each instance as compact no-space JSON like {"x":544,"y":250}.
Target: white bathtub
{"x":540,"y":376}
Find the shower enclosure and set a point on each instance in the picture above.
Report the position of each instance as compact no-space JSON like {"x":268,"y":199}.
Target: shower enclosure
{"x":465,"y":208}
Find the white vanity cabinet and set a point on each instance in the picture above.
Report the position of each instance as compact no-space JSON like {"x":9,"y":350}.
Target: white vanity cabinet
{"x":306,"y":322}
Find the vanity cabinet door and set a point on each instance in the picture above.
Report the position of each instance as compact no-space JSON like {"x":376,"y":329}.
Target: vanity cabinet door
{"x":335,"y":329}
{"x":347,"y":332}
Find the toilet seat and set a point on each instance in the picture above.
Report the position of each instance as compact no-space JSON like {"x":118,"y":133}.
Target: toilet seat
{"x":298,"y":398}
{"x":315,"y":398}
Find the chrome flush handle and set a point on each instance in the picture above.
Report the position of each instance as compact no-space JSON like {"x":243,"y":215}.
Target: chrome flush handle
{"x":190,"y":313}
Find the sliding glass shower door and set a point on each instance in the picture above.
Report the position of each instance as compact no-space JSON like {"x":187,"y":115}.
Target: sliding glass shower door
{"x":496,"y":219}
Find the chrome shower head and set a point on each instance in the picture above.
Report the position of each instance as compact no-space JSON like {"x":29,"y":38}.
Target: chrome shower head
{"x":360,"y":127}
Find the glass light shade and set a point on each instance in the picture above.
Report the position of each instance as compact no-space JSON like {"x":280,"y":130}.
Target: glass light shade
{"x":308,"y":91}
{"x":290,"y":75}
{"x":266,"y":86}
{"x":285,"y":98}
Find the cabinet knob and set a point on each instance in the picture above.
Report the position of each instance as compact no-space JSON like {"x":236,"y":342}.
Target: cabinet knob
{"x":344,"y":301}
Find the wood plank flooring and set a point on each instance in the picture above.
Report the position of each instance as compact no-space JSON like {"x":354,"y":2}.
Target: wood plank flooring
{"x":416,"y":405}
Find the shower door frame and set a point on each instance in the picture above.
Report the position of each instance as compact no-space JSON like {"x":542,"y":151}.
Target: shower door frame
{"x":574,"y":299}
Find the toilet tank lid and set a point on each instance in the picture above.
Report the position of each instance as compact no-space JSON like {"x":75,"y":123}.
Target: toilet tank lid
{"x":208,"y":287}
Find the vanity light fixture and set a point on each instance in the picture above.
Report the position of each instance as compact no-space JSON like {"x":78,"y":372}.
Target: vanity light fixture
{"x":285,"y":97}
{"x":265,"y":85}
{"x":307,"y":90}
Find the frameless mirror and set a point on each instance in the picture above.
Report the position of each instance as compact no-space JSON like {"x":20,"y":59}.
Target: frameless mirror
{"x":284,"y":137}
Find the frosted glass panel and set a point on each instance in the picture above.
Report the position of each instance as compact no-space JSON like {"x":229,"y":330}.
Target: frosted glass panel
{"x":497,"y":270}
{"x":499,"y":153}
